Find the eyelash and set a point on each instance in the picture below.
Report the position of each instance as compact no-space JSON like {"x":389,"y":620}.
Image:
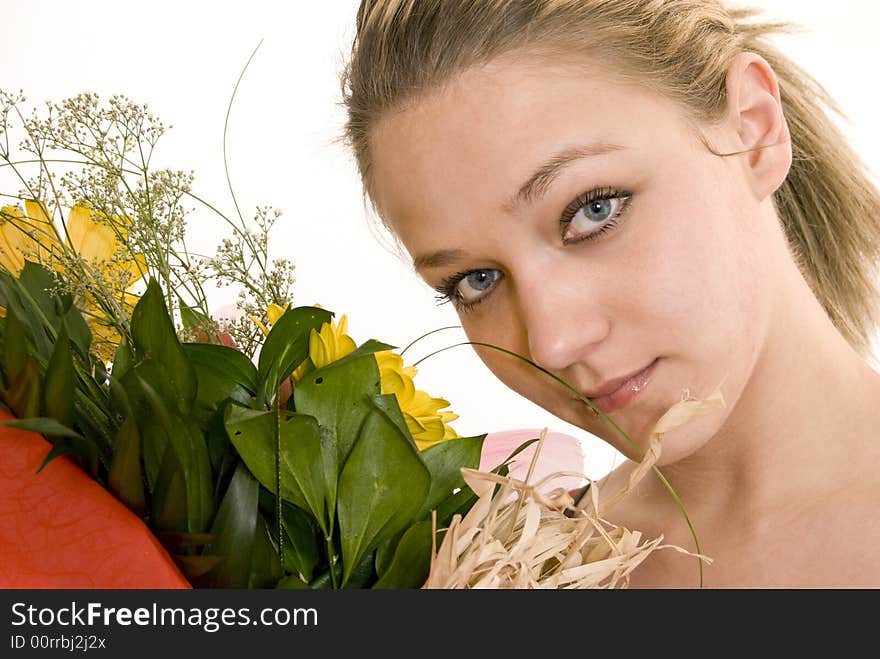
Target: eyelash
{"x":597,"y":194}
{"x":447,"y":290}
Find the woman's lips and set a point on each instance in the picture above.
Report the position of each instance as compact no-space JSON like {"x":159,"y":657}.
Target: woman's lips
{"x":626,"y":392}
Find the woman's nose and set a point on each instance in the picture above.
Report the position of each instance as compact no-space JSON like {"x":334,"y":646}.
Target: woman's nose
{"x":563,"y":326}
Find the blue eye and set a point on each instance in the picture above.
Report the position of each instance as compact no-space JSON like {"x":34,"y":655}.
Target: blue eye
{"x":465,"y":289}
{"x":599,"y":210}
{"x":592,"y":214}
{"x":473,"y":285}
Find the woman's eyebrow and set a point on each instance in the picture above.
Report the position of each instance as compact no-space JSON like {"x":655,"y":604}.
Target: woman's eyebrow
{"x":532,"y":189}
{"x":438,"y":259}
{"x":537,"y":184}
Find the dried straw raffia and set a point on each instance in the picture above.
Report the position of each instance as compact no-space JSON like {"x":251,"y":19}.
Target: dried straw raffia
{"x":530,"y":542}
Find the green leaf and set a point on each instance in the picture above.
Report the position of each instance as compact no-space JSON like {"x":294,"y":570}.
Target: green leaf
{"x":188,"y":444}
{"x":360,"y":577}
{"x":222,"y":373}
{"x":389,"y":405}
{"x":382,"y":486}
{"x":76,"y":326}
{"x":292,"y":582}
{"x":60,"y":381}
{"x":236,"y":529}
{"x":385,"y":553}
{"x":286,"y":347}
{"x":15,"y":346}
{"x":168,"y":511}
{"x":125,"y":476}
{"x":363,"y":573}
{"x":81,"y":450}
{"x":92,"y":417}
{"x":43,"y":425}
{"x":340,"y":397}
{"x":37,"y":281}
{"x":191,"y":317}
{"x":265,"y":564}
{"x":412,"y":560}
{"x":444,"y":461}
{"x":23,"y":394}
{"x":154,"y":433}
{"x":301,"y":546}
{"x":154,"y":338}
{"x":307,"y":456}
{"x":27,"y":312}
{"x":122,"y":360}
{"x":323,"y":580}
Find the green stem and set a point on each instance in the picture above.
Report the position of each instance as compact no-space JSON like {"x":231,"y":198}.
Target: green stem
{"x":414,"y":341}
{"x":331,"y":559}
{"x":276,"y":412}
{"x":225,"y":161}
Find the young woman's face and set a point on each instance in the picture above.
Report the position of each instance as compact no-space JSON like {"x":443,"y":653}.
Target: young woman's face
{"x":580,"y":222}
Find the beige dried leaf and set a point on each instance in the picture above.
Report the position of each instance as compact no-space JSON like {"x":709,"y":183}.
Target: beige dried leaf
{"x":538,"y":539}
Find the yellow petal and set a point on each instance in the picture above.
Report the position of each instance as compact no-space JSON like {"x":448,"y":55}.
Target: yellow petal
{"x":318,"y":349}
{"x":424,"y":405}
{"x":13,"y":239}
{"x":394,"y":378}
{"x":274,"y":312}
{"x":415,"y":426}
{"x":388,"y":359}
{"x":300,"y":370}
{"x":259,"y":323}
{"x":433,"y":432}
{"x":393,"y":382}
{"x":92,"y":240}
{"x":130,"y":300}
{"x":331,"y":344}
{"x":449,"y":433}
{"x":345,"y":346}
{"x":36,"y":212}
{"x":42,"y":232}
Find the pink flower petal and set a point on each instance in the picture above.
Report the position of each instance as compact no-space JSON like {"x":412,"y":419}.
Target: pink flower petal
{"x":560,"y":452}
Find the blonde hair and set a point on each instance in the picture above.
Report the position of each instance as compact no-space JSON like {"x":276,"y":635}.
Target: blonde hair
{"x":829,"y":207}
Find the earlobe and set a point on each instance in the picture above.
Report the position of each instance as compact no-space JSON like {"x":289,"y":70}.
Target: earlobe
{"x":756,"y":115}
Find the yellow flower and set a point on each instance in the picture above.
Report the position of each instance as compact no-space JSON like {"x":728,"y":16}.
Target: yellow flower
{"x":34,"y":237}
{"x":331,"y":343}
{"x":326,"y":346}
{"x":426,"y":423}
{"x":422,"y":413}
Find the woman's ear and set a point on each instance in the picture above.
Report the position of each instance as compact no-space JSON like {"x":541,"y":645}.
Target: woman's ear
{"x":757,"y":123}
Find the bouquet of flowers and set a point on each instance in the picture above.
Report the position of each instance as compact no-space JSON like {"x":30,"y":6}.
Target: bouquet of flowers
{"x":270,"y":450}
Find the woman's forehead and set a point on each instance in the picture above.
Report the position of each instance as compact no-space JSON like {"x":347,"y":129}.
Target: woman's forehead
{"x":497,"y":124}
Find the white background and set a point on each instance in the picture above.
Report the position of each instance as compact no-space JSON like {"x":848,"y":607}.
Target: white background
{"x":182,"y":58}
